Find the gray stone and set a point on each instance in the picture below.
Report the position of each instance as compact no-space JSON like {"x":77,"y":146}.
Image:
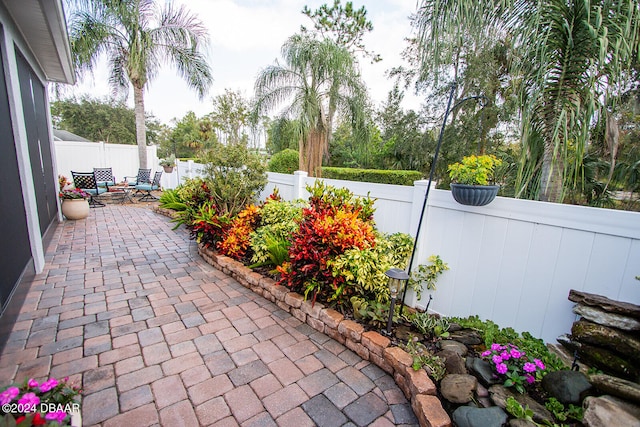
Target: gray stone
{"x":454,"y":346}
{"x":567,"y":386}
{"x":466,"y":336}
{"x":608,"y":305}
{"x":608,"y":319}
{"x":481,"y":391}
{"x":607,"y":411}
{"x":483,"y":370}
{"x":453,"y":363}
{"x":521,"y":423}
{"x":466,"y":416}
{"x":610,"y":338}
{"x":366,"y":409}
{"x":617,"y":386}
{"x":458,"y":388}
{"x":323,"y":412}
{"x":500,"y":394}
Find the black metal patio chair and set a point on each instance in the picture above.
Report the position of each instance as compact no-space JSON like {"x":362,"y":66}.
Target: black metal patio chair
{"x":86,"y":181}
{"x":148,"y":188}
{"x":104,"y":177}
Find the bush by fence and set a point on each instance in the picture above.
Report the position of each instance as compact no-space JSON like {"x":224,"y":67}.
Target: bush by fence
{"x":397,"y":177}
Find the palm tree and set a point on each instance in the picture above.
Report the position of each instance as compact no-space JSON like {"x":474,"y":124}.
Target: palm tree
{"x":319,"y":80}
{"x":569,"y":56}
{"x":124,"y":31}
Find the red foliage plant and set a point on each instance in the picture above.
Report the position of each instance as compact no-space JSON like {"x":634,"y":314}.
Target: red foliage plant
{"x":334,"y":222}
{"x":237,"y":238}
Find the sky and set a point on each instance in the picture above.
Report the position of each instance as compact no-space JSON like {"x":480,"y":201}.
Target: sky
{"x":246,"y":36}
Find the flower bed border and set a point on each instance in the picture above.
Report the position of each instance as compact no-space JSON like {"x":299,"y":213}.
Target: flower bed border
{"x":369,"y":345}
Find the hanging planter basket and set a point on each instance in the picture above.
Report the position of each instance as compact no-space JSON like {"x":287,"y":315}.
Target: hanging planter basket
{"x":474,"y":195}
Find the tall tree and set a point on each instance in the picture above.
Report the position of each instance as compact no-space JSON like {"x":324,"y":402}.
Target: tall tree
{"x":568,"y":56}
{"x":318,"y":79}
{"x":138,"y":36}
{"x":344,"y":25}
{"x":230,"y":117}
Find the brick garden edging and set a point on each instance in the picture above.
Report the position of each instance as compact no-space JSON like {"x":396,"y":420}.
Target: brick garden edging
{"x":369,"y":345}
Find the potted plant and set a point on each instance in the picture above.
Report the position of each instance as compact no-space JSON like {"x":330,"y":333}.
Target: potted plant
{"x":472,"y":180}
{"x":75,"y":204}
{"x":49,"y":403}
{"x":168,"y":164}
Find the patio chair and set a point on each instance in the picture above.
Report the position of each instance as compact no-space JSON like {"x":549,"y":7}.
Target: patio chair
{"x":148,"y":188}
{"x":143,"y":177}
{"x":86,"y":181}
{"x":104,"y":177}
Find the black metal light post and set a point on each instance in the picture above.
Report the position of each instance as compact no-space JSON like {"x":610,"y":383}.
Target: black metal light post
{"x":397,"y":280}
{"x":449,"y":109}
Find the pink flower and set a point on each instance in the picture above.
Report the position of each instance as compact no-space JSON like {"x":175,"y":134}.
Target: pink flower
{"x":58,"y":416}
{"x":496,"y":359}
{"x":8,"y":395}
{"x":516,"y":354}
{"x":501,"y":368}
{"x":486,"y":353}
{"x":529,"y":367}
{"x":496,"y":347}
{"x":32,"y":383}
{"x":539,"y":364}
{"x":29,"y":400}
{"x":48,"y":385}
{"x":505,"y":355}
{"x":530,"y":379}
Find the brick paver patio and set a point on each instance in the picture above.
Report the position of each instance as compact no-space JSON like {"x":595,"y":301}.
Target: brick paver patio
{"x":127,"y":308}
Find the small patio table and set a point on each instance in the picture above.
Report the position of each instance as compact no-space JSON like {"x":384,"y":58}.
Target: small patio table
{"x":125,"y":191}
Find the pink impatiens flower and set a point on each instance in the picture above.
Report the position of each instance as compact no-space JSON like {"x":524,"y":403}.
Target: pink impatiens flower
{"x":8,"y":395}
{"x":501,"y":368}
{"x":496,"y":347}
{"x":32,"y":383}
{"x":486,"y":353}
{"x":58,"y":416}
{"x":505,"y":355}
{"x":530,"y":379}
{"x":496,"y":359}
{"x":539,"y":364}
{"x":529,"y":367}
{"x":48,"y":385}
{"x":29,"y":400}
{"x":516,"y":354}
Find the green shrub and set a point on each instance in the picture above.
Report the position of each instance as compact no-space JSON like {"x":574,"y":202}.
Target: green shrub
{"x":285,"y":161}
{"x":170,"y":199}
{"x":397,"y":177}
{"x":278,"y":222}
{"x":234,"y":176}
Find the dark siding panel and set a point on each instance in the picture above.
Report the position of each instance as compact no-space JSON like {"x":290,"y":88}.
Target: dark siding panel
{"x":15,"y":250}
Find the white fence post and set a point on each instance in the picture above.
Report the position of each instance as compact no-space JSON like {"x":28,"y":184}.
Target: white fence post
{"x":298,"y":184}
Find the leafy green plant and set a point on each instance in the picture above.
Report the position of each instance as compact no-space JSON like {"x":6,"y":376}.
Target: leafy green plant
{"x":170,"y":199}
{"x":518,"y":411}
{"x":279,"y":221}
{"x":422,"y":358}
{"x":373,"y":313}
{"x":208,"y":226}
{"x":285,"y":161}
{"x":364,"y":268}
{"x":431,"y":325}
{"x":560,"y":413}
{"x":168,"y":162}
{"x":234,"y":176}
{"x":474,"y":170}
{"x":428,"y":274}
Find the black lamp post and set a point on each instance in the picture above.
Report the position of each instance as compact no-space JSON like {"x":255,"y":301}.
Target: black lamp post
{"x":397,"y":281}
{"x":481,"y":99}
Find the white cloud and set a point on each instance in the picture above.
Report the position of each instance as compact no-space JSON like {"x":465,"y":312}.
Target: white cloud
{"x":246,"y":36}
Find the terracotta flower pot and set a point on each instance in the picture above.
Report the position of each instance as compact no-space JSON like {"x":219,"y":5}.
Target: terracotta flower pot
{"x":75,"y":208}
{"x":168,"y":169}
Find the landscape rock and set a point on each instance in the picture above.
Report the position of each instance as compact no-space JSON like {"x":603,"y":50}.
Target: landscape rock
{"x":607,"y":319}
{"x":610,"y":338}
{"x":567,"y":386}
{"x":608,"y":305}
{"x":483,"y":370}
{"x":458,"y":388}
{"x":602,"y":359}
{"x":607,"y":411}
{"x":466,"y":336}
{"x":500,"y":394}
{"x":466,"y":416}
{"x":617,"y":386}
{"x":455,"y":346}
{"x":521,"y":423}
{"x":453,"y":363}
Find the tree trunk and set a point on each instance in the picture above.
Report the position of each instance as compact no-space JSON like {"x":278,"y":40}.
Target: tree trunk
{"x":141,"y":132}
{"x":552,"y":175}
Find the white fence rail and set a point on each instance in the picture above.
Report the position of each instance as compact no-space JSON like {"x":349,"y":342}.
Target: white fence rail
{"x":512,"y":261}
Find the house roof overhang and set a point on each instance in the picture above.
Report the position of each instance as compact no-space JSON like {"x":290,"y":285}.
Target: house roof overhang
{"x":44,"y":29}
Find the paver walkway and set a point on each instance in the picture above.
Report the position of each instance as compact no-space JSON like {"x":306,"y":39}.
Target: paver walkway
{"x":127,"y":308}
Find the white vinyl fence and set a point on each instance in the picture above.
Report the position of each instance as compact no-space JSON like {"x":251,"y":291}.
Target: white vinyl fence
{"x":512,"y":261}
